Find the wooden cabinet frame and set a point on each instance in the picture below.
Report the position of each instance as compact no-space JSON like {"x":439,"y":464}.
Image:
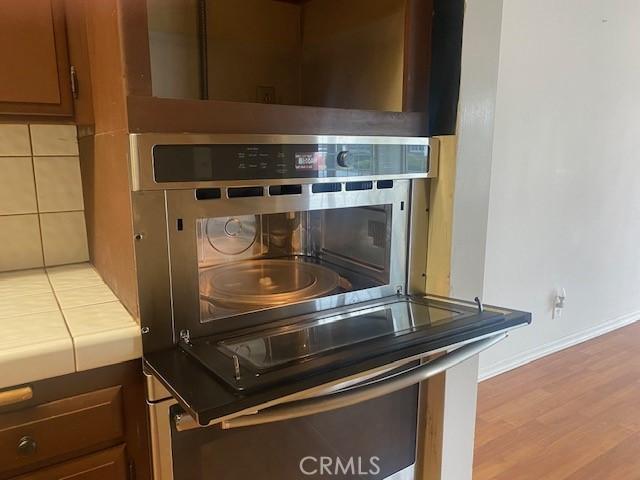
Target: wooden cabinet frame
{"x":124,"y":379}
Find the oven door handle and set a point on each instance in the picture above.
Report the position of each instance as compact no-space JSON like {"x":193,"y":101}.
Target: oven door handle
{"x":366,"y":391}
{"x":362,"y":392}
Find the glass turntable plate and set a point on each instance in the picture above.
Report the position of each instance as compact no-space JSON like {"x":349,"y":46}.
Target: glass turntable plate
{"x":267,"y":282}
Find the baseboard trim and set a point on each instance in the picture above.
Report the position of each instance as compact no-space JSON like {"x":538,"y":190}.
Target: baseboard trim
{"x":555,"y":346}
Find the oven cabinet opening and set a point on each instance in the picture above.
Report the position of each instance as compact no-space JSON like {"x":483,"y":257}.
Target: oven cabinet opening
{"x":283,"y":250}
{"x":254,"y":262}
{"x":375,"y":439}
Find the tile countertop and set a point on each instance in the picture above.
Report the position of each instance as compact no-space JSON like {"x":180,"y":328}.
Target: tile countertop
{"x":61,"y":320}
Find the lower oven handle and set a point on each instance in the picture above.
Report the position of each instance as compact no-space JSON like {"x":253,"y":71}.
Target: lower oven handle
{"x":363,"y":392}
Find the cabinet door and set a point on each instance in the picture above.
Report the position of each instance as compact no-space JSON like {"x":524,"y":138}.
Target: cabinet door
{"x":105,"y":465}
{"x":33,"y":52}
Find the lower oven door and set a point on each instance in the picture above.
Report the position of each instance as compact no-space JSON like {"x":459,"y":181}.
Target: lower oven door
{"x":375,"y":439}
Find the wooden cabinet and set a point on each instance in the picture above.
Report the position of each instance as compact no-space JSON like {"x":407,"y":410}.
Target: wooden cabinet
{"x":35,"y":65}
{"x":84,"y":426}
{"x":105,"y":465}
{"x":57,"y":429}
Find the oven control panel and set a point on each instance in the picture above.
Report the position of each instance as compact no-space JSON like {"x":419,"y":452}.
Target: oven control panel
{"x":228,"y":162}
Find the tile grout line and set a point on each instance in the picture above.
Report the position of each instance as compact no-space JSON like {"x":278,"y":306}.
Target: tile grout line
{"x":64,"y":319}
{"x":115,"y":300}
{"x":35,"y":188}
{"x":38,"y":213}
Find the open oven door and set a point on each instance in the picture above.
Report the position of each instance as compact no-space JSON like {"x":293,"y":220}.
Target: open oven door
{"x":318,"y":363}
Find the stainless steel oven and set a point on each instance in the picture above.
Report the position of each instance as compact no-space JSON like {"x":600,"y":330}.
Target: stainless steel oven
{"x":286,"y":330}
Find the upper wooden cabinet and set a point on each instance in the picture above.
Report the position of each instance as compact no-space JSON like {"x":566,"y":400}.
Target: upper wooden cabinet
{"x":35,"y":64}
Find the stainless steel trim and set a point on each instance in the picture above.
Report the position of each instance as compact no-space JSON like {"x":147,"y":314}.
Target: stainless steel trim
{"x":155,"y":390}
{"x":161,"y":450}
{"x":323,"y":399}
{"x":141,"y":146}
{"x":153,"y":270}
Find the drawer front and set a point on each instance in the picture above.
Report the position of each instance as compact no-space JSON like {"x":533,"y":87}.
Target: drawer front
{"x":57,"y":430}
{"x":105,"y":465}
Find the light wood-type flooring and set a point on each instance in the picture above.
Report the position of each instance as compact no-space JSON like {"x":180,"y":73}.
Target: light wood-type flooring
{"x":572,"y":415}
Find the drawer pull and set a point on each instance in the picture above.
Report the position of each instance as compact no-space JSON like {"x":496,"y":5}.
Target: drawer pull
{"x":27,"y":446}
{"x":16,"y":395}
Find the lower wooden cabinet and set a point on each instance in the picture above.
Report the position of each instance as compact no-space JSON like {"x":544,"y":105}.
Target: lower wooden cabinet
{"x":108,"y":464}
{"x":88,"y":425}
{"x":53,"y":430}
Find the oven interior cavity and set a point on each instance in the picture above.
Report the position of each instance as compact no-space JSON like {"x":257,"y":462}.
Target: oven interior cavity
{"x":253,"y":262}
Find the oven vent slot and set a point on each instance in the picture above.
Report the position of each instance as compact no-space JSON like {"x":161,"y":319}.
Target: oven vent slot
{"x":275,"y":190}
{"x":326,"y":187}
{"x":384,"y":184}
{"x":207,"y":193}
{"x":351,"y":186}
{"x":240,"y":192}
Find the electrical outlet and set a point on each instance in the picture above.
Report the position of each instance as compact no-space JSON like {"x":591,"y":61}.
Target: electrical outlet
{"x":558,"y":304}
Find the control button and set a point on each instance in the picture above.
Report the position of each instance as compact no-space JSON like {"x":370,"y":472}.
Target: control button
{"x":343,"y":159}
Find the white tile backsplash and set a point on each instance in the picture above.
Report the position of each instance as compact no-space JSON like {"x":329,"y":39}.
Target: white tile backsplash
{"x":41,"y":203}
{"x":64,"y":238}
{"x":51,"y":139}
{"x":17,"y":188}
{"x":20,"y":244}
{"x":14,"y":140}
{"x":59,"y":183}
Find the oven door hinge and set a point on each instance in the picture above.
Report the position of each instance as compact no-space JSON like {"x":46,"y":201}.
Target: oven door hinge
{"x":185,"y":336}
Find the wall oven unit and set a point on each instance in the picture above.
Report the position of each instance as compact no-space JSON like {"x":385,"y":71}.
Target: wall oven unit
{"x":281,"y":284}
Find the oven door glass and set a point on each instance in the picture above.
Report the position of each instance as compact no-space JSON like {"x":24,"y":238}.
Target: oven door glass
{"x":275,"y":349}
{"x":375,"y":439}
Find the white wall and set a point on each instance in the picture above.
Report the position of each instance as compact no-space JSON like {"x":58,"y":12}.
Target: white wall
{"x":564,"y":205}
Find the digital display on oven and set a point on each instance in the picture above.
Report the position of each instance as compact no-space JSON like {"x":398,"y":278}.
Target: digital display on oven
{"x":309,"y":161}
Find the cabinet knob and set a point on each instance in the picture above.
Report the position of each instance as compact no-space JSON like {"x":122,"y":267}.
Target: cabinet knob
{"x":27,"y":446}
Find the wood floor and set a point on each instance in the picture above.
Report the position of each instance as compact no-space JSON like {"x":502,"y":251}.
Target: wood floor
{"x":573,"y":415}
